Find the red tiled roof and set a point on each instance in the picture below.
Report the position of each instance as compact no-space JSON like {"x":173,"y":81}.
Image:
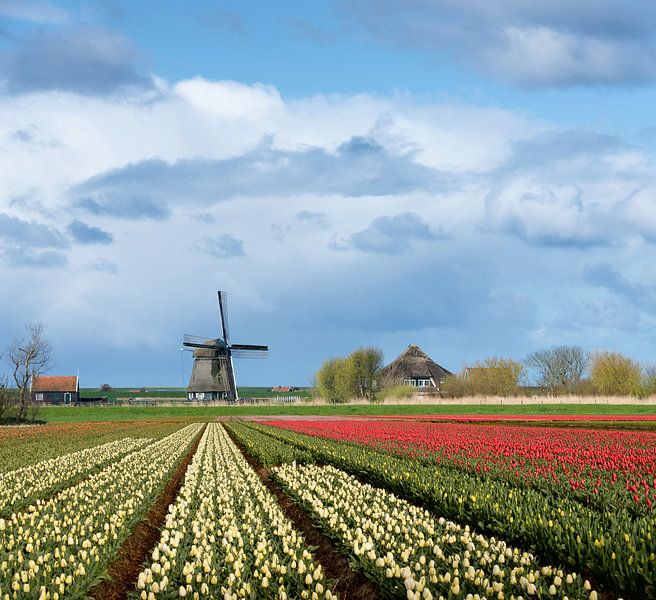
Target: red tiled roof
{"x":282,"y":388}
{"x":54,"y":383}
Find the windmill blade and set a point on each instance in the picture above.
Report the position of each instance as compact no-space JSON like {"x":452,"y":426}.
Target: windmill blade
{"x":223,"y":312}
{"x":194,"y":341}
{"x":249,"y":351}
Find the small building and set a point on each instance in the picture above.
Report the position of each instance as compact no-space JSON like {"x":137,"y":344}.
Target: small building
{"x":414,"y":368}
{"x":285,"y":389}
{"x":56,"y":389}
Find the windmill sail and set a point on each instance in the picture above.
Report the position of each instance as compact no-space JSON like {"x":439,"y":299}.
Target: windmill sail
{"x":223,"y":313}
{"x":249,"y":351}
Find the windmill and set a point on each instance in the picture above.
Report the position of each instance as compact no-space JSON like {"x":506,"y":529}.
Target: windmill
{"x":213,"y":373}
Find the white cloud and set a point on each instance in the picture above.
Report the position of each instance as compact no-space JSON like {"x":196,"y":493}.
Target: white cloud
{"x":230,"y":99}
{"x":553,"y":215}
{"x":232,"y":167}
{"x":640,"y":211}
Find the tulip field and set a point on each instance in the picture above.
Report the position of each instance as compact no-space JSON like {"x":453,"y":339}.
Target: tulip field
{"x":477,"y":475}
{"x":416,"y":509}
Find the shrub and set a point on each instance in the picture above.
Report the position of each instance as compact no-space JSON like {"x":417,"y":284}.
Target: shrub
{"x":493,"y":377}
{"x":397,"y":392}
{"x":614,"y":374}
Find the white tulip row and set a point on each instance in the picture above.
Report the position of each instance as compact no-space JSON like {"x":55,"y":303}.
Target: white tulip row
{"x":413,"y":555}
{"x":19,"y":487}
{"x":226,"y":536}
{"x":57,"y":548}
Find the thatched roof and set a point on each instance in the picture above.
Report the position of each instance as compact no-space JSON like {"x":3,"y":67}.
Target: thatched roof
{"x":413,"y":363}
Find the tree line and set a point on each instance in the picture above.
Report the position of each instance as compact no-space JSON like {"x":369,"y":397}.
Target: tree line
{"x":559,"y":370}
{"x":27,"y":356}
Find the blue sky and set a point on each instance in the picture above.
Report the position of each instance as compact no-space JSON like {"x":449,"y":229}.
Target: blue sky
{"x":477,"y":180}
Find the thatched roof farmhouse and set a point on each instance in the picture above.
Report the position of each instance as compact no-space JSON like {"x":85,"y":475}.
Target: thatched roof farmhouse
{"x":414,"y":368}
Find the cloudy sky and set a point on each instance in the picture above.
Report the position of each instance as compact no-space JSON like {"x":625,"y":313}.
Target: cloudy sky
{"x":478,"y":178}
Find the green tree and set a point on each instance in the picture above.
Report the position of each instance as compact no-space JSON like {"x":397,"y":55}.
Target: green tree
{"x":327,"y":380}
{"x":614,"y":374}
{"x":346,"y":383}
{"x":366,"y":362}
{"x":345,"y":378}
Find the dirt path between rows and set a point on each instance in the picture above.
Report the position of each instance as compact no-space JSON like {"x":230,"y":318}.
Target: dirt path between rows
{"x":127,"y":566}
{"x":350,"y":585}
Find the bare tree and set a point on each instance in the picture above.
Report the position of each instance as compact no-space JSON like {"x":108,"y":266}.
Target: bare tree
{"x":29,"y":357}
{"x":560,"y":368}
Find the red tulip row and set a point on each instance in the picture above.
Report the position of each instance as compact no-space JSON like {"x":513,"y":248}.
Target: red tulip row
{"x":540,"y":418}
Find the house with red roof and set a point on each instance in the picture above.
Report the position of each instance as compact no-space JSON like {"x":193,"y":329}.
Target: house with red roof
{"x":56,"y":389}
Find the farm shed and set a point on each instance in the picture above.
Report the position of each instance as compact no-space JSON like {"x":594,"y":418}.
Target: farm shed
{"x":56,"y":389}
{"x":415,"y":368}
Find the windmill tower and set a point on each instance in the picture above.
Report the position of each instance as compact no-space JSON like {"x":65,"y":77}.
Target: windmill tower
{"x":213,"y":373}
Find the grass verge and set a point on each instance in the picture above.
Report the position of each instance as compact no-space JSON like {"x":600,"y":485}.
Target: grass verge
{"x":81,"y":414}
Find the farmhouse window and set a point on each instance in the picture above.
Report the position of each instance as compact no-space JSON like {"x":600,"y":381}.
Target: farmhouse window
{"x":39,"y":397}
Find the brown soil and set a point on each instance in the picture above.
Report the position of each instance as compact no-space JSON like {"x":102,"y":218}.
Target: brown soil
{"x":125,"y":569}
{"x":350,"y":585}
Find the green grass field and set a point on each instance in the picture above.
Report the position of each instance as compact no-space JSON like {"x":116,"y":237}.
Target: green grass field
{"x":135,"y":413}
{"x":179,"y":392}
